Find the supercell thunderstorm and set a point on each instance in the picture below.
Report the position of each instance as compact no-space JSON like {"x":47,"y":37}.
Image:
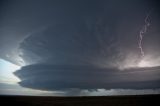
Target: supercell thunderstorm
{"x":90,"y":48}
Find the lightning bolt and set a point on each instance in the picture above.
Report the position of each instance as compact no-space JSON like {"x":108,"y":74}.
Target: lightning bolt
{"x":143,"y":31}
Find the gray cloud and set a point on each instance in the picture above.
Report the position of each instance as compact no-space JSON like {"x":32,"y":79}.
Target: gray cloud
{"x":88,"y":50}
{"x":15,"y":89}
{"x":74,"y":42}
{"x":82,"y":44}
{"x":103,"y":22}
{"x":63,"y":77}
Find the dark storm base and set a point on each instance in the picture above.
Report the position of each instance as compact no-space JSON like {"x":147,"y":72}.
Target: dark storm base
{"x":139,"y":100}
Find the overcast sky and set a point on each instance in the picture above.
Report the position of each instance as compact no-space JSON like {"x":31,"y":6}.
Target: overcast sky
{"x":80,"y":47}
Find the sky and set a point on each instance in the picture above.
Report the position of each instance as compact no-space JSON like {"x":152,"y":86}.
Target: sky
{"x":79,"y":47}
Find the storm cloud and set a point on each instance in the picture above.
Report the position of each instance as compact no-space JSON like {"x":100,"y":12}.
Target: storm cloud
{"x":84,"y":45}
{"x":64,"y":77}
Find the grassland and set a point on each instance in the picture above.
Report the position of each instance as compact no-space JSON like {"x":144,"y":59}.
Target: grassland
{"x":139,"y":100}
